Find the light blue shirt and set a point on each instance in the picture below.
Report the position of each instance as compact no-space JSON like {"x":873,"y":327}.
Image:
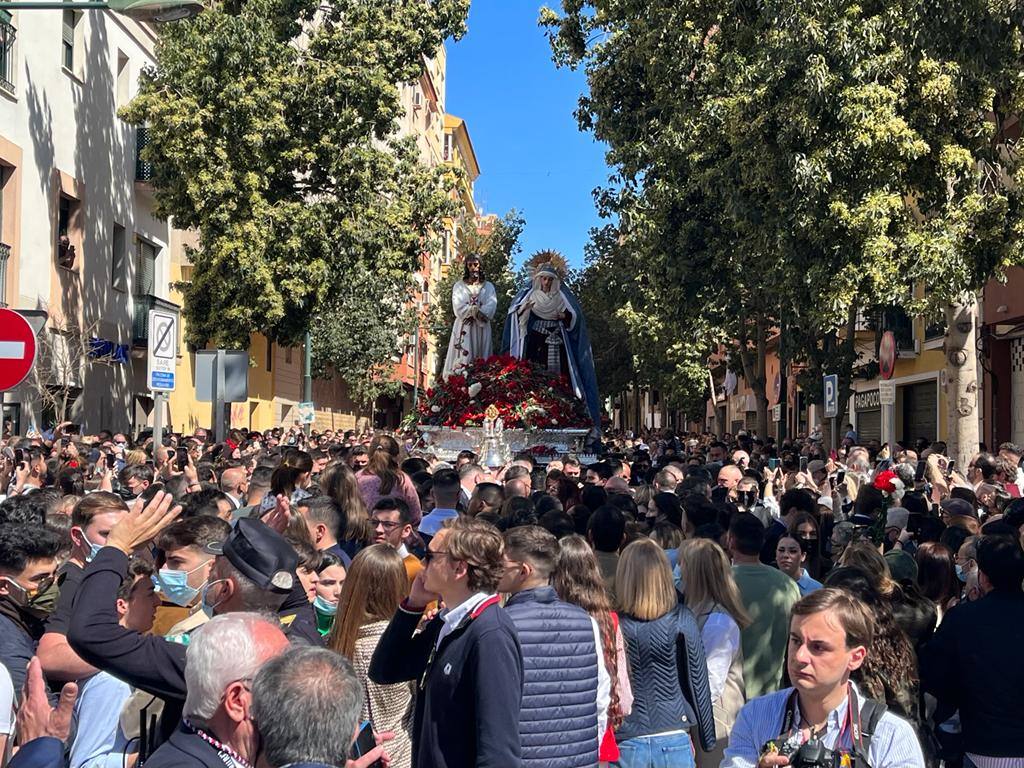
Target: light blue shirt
{"x":806,"y":584}
{"x":893,"y":744}
{"x":100,"y":742}
{"x":432,"y":523}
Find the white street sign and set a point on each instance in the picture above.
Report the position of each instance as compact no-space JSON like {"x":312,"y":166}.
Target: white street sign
{"x":163,"y":350}
{"x":886,"y":392}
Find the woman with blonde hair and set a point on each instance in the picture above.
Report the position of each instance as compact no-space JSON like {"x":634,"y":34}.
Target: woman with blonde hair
{"x":373,"y":588}
{"x":710,"y":591}
{"x":577,"y":580}
{"x":383,"y":477}
{"x":669,"y":671}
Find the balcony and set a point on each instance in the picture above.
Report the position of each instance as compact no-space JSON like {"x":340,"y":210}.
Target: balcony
{"x":5,"y":255}
{"x":140,"y":316}
{"x":143,"y":168}
{"x":7,"y":34}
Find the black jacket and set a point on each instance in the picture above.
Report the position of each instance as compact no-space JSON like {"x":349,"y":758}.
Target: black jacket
{"x":184,"y":750}
{"x":150,"y":663}
{"x":467,"y":711}
{"x":970,"y":664}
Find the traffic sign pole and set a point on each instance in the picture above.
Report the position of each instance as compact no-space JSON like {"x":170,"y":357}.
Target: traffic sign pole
{"x":158,"y":421}
{"x":162,"y":361}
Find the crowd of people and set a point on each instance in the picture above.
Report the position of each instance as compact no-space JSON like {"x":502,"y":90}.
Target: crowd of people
{"x":342,"y":599}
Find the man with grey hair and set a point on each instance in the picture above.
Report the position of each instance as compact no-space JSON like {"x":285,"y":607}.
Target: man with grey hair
{"x":217,"y":727}
{"x":306,"y":705}
{"x":254,"y":571}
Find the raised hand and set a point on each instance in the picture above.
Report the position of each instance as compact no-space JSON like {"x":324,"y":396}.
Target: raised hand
{"x":142,"y":524}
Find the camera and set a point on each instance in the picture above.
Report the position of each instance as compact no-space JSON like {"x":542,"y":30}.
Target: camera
{"x":812,"y":754}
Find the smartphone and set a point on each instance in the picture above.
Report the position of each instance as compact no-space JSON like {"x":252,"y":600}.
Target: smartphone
{"x":72,"y":429}
{"x":19,"y":457}
{"x":919,"y":472}
{"x":749,"y":498}
{"x":773,"y":464}
{"x":365,"y":742}
{"x":803,"y":463}
{"x":914,"y":524}
{"x":950,"y":467}
{"x":840,"y":477}
{"x":182,"y":459}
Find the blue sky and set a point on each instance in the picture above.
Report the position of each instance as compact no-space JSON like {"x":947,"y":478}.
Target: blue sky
{"x":519,"y":111}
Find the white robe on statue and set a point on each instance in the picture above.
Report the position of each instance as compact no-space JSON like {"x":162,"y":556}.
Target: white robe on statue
{"x":471,"y":334}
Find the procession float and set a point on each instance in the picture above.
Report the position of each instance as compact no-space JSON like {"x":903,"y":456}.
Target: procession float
{"x":538,"y":396}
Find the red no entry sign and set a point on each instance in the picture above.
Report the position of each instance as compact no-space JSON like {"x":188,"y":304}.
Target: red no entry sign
{"x":17,"y":349}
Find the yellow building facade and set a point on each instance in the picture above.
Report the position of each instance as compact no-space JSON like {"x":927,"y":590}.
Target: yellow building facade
{"x":275,"y":373}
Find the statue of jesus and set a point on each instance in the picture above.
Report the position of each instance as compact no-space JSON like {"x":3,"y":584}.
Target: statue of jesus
{"x":474,"y":302}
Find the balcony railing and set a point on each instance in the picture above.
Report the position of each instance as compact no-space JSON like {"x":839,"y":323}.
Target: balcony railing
{"x":143,"y":169}
{"x":7,"y":34}
{"x":140,"y":317}
{"x":5,"y":255}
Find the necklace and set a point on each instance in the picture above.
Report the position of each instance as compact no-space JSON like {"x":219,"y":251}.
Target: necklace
{"x":225,"y":752}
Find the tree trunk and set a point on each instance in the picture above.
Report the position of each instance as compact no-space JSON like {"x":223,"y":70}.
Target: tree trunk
{"x":962,"y":379}
{"x":754,"y":372}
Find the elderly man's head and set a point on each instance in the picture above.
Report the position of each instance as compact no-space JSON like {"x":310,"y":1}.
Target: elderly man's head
{"x":223,"y":657}
{"x":306,"y":704}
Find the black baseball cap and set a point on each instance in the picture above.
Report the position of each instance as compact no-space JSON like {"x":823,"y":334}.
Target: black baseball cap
{"x":958,"y":507}
{"x":260,"y":554}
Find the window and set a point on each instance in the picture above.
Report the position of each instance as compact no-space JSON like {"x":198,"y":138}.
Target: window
{"x":68,"y":30}
{"x":119,"y":260}
{"x":288,"y":355}
{"x":145,"y":269}
{"x":67,"y":215}
{"x":448,"y":148}
{"x":270,"y":355}
{"x":123,"y":81}
{"x":7,"y":35}
{"x":446,"y":248}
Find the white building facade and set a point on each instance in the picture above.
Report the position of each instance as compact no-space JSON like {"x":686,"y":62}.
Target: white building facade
{"x":79,"y":236}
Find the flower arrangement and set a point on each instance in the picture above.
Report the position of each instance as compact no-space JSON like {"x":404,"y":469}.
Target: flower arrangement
{"x":525,"y":395}
{"x":890,"y":484}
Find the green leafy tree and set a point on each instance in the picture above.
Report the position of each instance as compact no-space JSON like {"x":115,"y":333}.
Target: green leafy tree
{"x":497,"y":251}
{"x":783,"y":164}
{"x":272,"y":127}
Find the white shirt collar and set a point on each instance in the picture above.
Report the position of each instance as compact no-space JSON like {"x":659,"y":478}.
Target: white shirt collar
{"x":403,"y":551}
{"x":453,"y":616}
{"x":835,"y":717}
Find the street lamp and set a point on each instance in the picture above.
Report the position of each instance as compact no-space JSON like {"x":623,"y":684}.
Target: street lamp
{"x":140,"y":10}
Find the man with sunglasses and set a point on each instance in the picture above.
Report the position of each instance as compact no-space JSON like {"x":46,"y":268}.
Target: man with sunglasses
{"x":467,"y":660}
{"x":28,"y":562}
{"x":392,"y":525}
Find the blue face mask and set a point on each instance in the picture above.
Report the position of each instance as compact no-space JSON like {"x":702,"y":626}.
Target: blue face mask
{"x":93,"y":548}
{"x":175,"y":587}
{"x":325,"y":607}
{"x":204,"y":602}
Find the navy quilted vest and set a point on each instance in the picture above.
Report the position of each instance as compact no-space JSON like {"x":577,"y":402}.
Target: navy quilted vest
{"x":558,"y":718}
{"x":659,"y":705}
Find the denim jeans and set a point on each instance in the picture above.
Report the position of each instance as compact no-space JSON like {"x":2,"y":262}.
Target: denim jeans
{"x":671,"y":751}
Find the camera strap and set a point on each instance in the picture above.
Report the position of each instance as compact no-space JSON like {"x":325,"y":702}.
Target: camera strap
{"x":860,"y":721}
